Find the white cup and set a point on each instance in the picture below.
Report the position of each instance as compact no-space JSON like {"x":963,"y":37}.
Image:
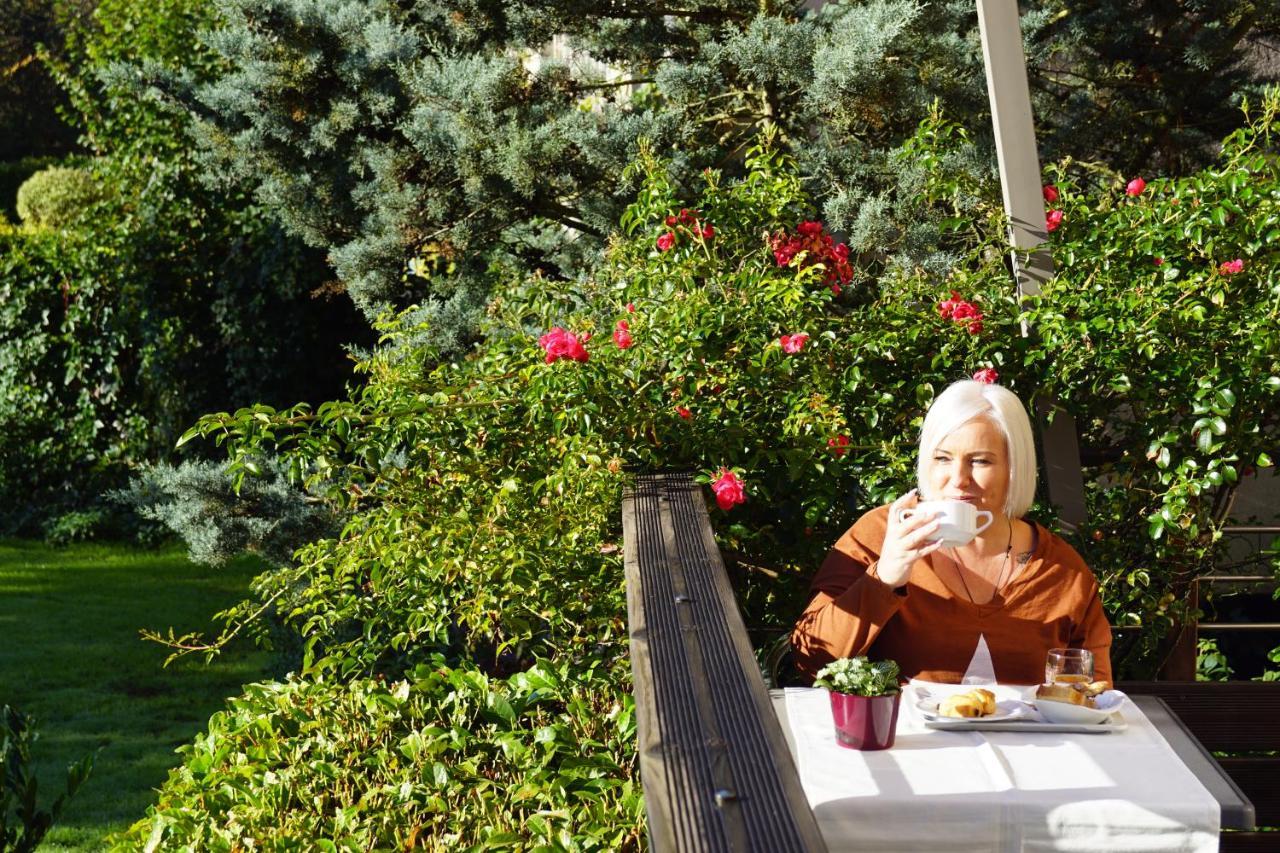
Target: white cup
{"x":957,"y":520}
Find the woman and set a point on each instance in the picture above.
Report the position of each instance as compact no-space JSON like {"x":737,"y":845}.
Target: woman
{"x":888,"y":592}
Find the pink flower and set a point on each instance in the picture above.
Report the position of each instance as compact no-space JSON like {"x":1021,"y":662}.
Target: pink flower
{"x":622,"y":335}
{"x":1231,"y":267}
{"x":559,"y":343}
{"x":839,"y":445}
{"x":631,"y":308}
{"x":986,"y":375}
{"x":666,"y":240}
{"x":728,"y":489}
{"x":1158,"y":261}
{"x":1050,"y":193}
{"x":1052,"y":220}
{"x":1135,"y":187}
{"x":793,"y":343}
{"x":975,"y":328}
{"x":683,"y":412}
{"x":708,"y":232}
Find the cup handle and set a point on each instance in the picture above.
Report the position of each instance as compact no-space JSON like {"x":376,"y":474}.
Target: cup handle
{"x":905,"y":513}
{"x":990,"y":518}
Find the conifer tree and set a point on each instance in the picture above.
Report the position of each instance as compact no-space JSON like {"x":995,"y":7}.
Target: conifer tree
{"x":419,"y":143}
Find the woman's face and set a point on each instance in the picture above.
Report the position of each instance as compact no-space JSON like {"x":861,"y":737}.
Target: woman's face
{"x":971,"y":464}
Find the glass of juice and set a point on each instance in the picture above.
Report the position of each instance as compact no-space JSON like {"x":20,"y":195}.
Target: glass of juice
{"x":1068,"y":666}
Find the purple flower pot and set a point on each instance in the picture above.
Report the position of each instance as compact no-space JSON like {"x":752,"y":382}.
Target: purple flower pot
{"x":864,"y":722}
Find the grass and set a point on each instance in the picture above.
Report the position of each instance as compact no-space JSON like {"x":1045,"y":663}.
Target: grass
{"x":71,"y":657}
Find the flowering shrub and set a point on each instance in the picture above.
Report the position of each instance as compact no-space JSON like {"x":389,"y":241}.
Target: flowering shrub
{"x":483,"y":547}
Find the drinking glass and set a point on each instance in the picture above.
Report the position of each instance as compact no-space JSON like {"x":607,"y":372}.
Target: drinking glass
{"x":1068,"y":666}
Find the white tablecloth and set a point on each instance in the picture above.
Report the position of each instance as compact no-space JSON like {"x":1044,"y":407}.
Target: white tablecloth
{"x":975,"y":792}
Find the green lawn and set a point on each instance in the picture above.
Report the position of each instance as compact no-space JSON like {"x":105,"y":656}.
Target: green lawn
{"x":70,"y":656}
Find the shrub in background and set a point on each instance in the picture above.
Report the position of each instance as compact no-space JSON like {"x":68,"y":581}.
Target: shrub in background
{"x":170,"y":300}
{"x":55,"y":197}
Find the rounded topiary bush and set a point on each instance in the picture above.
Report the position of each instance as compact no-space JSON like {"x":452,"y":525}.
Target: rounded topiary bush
{"x":54,"y":197}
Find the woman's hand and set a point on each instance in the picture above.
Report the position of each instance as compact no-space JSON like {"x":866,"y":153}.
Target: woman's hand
{"x":905,"y":542}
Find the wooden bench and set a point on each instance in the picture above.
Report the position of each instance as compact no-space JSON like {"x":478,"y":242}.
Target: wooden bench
{"x":1233,"y":716}
{"x":714,"y":763}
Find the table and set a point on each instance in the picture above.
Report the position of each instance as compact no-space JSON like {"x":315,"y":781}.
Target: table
{"x":898,"y":796}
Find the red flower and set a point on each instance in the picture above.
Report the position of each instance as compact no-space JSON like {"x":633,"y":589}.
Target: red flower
{"x":1050,"y":193}
{"x":622,"y":335}
{"x":839,"y":445}
{"x":1135,"y":187}
{"x":671,"y":221}
{"x":817,"y":248}
{"x":793,"y":343}
{"x":683,"y":412}
{"x":631,"y":308}
{"x":1231,"y":267}
{"x":729,"y":490}
{"x":946,"y":307}
{"x":708,"y":232}
{"x":961,"y":311}
{"x":559,"y":343}
{"x":1052,"y":220}
{"x":986,"y":375}
{"x":666,"y":240}
{"x":1158,"y":261}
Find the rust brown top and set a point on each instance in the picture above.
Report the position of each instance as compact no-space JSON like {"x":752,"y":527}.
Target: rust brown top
{"x":1051,"y":602}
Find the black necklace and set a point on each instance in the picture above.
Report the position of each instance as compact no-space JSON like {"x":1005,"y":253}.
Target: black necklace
{"x":1004,"y":566}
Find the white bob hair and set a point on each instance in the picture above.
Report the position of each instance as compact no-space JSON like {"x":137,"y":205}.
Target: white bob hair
{"x":962,"y":402}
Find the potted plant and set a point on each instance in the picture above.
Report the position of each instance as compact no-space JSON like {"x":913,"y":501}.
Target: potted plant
{"x":864,"y":701}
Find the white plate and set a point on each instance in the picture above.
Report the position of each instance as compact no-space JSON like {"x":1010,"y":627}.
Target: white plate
{"x":929,"y":707}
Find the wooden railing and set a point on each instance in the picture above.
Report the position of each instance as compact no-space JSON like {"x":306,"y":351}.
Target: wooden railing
{"x":715,"y":765}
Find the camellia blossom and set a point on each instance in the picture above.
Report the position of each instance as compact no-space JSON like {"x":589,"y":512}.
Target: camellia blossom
{"x":1050,"y":193}
{"x":666,"y":240}
{"x":729,"y":490}
{"x":1053,"y":219}
{"x":817,"y":248}
{"x":1135,"y":187}
{"x":987,"y":375}
{"x":560,"y":343}
{"x":683,"y":412}
{"x":622,"y":335}
{"x":839,"y":445}
{"x":1231,"y":267}
{"x":793,"y":343}
{"x":961,"y":311}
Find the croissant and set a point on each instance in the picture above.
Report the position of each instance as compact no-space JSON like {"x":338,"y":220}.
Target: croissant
{"x":975,"y":703}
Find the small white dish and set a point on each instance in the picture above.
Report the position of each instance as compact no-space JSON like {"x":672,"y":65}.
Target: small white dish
{"x":1064,"y":712}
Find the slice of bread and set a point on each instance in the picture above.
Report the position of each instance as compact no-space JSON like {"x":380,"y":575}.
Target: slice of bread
{"x":1064,"y":693}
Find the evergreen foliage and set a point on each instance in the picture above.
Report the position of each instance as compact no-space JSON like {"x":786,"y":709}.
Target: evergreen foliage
{"x":268,"y":516}
{"x":418,"y":143}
